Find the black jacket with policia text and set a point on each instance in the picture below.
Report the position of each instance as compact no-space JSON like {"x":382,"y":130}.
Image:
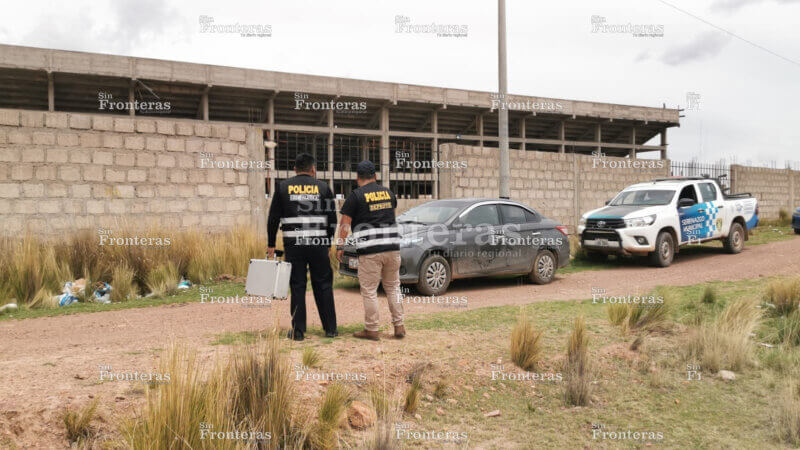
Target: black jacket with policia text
{"x":304,"y":209}
{"x":374,"y":228}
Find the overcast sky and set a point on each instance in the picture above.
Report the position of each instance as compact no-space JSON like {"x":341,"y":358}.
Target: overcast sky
{"x":746,"y":97}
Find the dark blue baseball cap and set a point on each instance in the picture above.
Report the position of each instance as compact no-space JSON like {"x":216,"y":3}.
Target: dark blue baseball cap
{"x":365,"y":170}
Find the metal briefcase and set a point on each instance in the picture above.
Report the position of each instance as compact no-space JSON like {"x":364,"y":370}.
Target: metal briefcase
{"x":268,"y":278}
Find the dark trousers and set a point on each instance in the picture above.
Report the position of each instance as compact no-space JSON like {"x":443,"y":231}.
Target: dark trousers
{"x":314,"y":259}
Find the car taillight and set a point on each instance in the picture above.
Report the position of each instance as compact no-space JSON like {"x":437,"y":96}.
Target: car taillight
{"x":562,"y":229}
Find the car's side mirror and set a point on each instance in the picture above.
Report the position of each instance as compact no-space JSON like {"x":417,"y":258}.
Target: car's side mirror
{"x":457,"y":225}
{"x":607,"y":202}
{"x":686,"y":202}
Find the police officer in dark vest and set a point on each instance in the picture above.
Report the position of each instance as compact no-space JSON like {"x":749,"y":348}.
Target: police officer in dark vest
{"x":305,"y":210}
{"x":369,"y":211}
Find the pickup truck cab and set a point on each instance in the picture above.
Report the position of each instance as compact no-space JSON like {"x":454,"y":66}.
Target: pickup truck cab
{"x":657,"y":218}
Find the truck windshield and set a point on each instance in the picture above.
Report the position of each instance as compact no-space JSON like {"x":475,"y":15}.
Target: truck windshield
{"x":648,"y":197}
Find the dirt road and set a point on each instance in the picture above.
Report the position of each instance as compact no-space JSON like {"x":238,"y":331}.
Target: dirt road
{"x":48,"y":363}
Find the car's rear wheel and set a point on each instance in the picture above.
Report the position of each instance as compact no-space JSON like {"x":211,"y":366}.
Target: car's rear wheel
{"x":734,"y":243}
{"x":434,"y":276}
{"x":544,"y":267}
{"x":665,"y":250}
{"x":797,"y":231}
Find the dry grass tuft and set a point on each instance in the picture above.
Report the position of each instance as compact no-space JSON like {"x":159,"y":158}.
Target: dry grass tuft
{"x":577,"y":371}
{"x":411,"y":399}
{"x":29,"y":264}
{"x":784,"y":294}
{"x":163,"y":280}
{"x":78,"y":424}
{"x":382,"y":400}
{"x":310,"y":357}
{"x":709,"y":295}
{"x":441,"y":388}
{"x":787,"y":419}
{"x":725,"y":343}
{"x":123,"y":287}
{"x":252,"y":392}
{"x":324,"y":434}
{"x":526,"y":344}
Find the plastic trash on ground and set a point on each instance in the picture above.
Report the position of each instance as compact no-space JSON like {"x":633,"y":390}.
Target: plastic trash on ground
{"x":102,"y":292}
{"x":67,"y":296}
{"x":184,"y":284}
{"x":8,"y":308}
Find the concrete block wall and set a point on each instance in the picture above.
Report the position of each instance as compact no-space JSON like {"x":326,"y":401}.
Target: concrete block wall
{"x":560,"y":186}
{"x":775,"y":189}
{"x":600,"y":180}
{"x":61,"y":171}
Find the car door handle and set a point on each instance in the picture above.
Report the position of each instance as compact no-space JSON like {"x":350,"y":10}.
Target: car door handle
{"x":720,"y":206}
{"x":701,"y":210}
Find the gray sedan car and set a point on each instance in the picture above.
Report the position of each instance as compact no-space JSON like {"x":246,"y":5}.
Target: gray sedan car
{"x":445,"y":240}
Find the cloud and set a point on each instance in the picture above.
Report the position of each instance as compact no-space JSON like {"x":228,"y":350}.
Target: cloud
{"x":642,"y":56}
{"x":704,"y":46}
{"x":730,"y":6}
{"x":124,"y":27}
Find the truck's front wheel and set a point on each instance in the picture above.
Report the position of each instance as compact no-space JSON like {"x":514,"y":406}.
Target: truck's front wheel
{"x":734,"y":243}
{"x":665,"y":250}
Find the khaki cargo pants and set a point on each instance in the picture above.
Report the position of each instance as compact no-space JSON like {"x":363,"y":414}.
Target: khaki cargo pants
{"x":372,"y":270}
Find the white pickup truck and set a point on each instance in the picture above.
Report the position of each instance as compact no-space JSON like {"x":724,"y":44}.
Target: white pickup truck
{"x":658,"y":217}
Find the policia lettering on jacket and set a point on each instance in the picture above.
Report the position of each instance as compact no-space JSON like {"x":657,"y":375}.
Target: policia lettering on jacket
{"x":374,"y":228}
{"x":304,"y":209}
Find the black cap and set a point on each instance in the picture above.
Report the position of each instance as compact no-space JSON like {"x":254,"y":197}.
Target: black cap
{"x":365,"y":169}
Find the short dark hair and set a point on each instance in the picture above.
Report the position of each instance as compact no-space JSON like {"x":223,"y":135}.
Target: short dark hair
{"x":304,"y":162}
{"x":365,"y":170}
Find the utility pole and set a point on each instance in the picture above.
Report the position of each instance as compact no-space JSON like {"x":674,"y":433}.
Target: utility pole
{"x":503,"y":92}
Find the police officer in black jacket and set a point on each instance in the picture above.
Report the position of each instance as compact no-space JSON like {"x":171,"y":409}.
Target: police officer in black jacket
{"x":305,"y":210}
{"x":369,"y":212}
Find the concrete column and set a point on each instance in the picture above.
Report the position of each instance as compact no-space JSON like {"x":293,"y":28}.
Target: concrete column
{"x":576,"y":192}
{"x":522,"y":133}
{"x":435,"y":149}
{"x":272,"y":137}
{"x":664,"y":143}
{"x":330,"y":147}
{"x":204,"y":102}
{"x":480,"y":128}
{"x":632,"y":153}
{"x":364,"y":150}
{"x":384,"y":167}
{"x":255,"y":181}
{"x":562,"y":135}
{"x":598,"y":135}
{"x":132,"y":97}
{"x":51,"y":92}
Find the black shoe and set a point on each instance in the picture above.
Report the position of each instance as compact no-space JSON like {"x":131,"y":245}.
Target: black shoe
{"x":331,"y":334}
{"x":295,"y":335}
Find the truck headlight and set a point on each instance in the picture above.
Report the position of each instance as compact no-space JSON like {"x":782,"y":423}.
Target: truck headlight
{"x":409,"y":242}
{"x":645,"y":221}
{"x":582,"y":221}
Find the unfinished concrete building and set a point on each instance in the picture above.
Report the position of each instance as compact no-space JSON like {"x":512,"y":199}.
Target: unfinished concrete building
{"x":341,"y":121}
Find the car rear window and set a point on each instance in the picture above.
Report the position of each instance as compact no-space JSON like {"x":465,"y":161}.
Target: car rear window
{"x":482,"y":215}
{"x":513,"y":214}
